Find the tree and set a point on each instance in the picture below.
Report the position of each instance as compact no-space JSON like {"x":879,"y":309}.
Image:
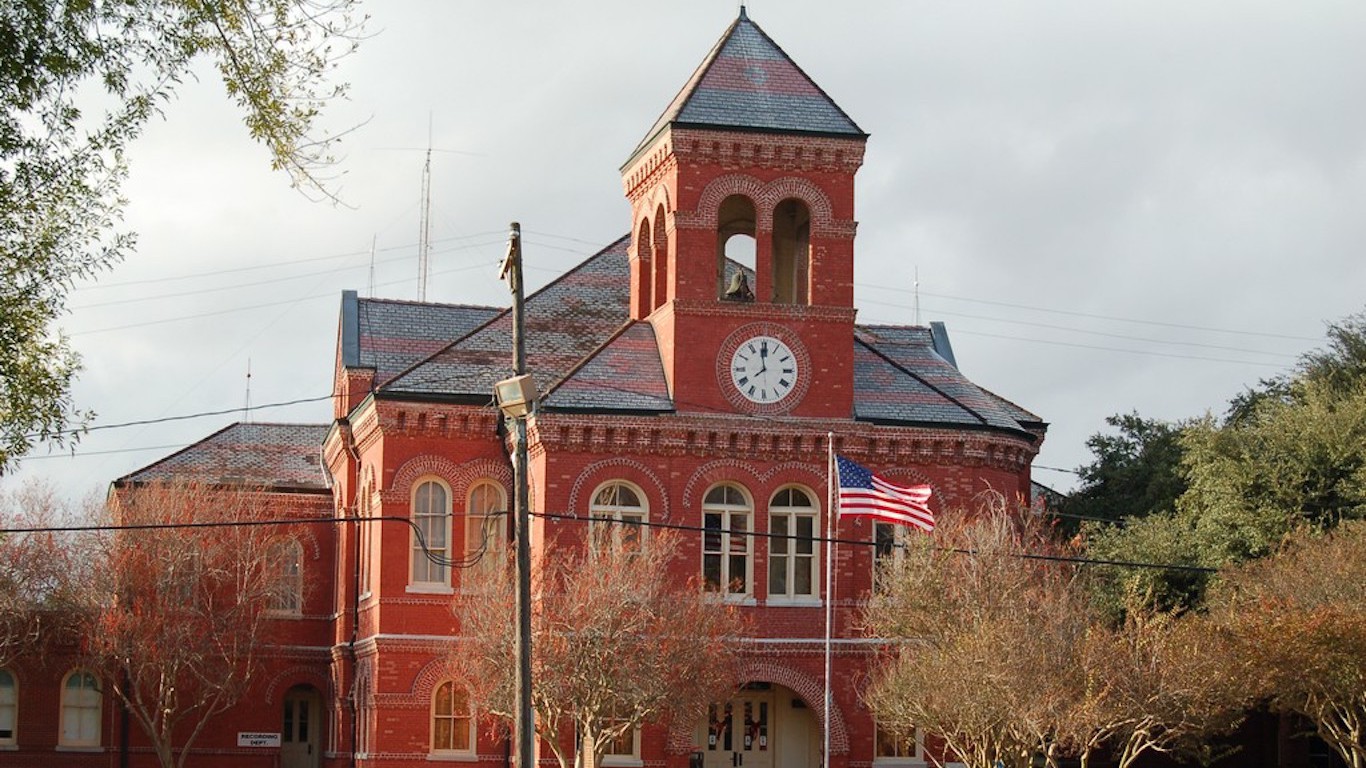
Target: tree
{"x":619,"y":641}
{"x":1135,"y":473}
{"x":40,"y":572}
{"x":179,"y":615}
{"x":1298,"y":621}
{"x":61,"y":164}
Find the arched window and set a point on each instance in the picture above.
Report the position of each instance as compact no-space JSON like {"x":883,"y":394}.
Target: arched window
{"x":80,"y":715}
{"x":645,"y":264}
{"x":432,"y":518}
{"x":9,"y":707}
{"x":791,"y":252}
{"x":726,"y":546}
{"x":619,"y":512}
{"x":365,"y":531}
{"x":793,"y":569}
{"x":287,"y":591}
{"x":452,"y":721}
{"x":661,"y":260}
{"x":486,"y":523}
{"x":735,"y":233}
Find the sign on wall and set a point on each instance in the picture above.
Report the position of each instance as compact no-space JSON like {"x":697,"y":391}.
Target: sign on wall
{"x":250,"y":739}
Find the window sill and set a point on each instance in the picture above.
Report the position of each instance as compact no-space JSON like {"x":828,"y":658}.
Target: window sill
{"x":801,"y":601}
{"x":622,"y":761}
{"x":430,"y":589}
{"x":900,"y":762}
{"x":9,"y":746}
{"x":740,"y":599}
{"x":75,"y":748}
{"x":452,"y":757}
{"x":287,"y":615}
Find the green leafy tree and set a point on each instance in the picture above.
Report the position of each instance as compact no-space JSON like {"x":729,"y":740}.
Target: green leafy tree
{"x":62,"y":161}
{"x":1136,"y":471}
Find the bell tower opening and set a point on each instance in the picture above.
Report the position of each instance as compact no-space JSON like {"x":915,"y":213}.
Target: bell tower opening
{"x":735,"y":249}
{"x":791,"y":253}
{"x":661,"y":260}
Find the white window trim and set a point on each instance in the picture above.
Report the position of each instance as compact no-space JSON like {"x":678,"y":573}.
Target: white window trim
{"x":11,"y":742}
{"x":467,"y":547}
{"x":911,"y":761}
{"x":624,"y":760}
{"x":82,"y":745}
{"x":615,"y":511}
{"x":366,"y":535}
{"x":451,"y":755}
{"x":747,"y":596}
{"x":296,"y":550}
{"x":793,"y":514}
{"x":444,"y":585}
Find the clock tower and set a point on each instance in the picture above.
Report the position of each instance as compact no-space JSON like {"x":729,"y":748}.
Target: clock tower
{"x":751,"y":152}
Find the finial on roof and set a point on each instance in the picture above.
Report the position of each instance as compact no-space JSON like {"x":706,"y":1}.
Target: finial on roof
{"x":742,"y":12}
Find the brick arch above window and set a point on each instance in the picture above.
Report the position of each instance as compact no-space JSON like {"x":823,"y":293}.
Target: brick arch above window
{"x":459,"y":477}
{"x":296,"y":676}
{"x":760,"y":485}
{"x":599,"y":472}
{"x":765,"y":197}
{"x":432,"y":674}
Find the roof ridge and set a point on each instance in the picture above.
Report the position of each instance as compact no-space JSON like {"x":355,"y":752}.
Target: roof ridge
{"x":504,"y":312}
{"x":586,"y":359}
{"x":419,"y":303}
{"x":972,"y":411}
{"x":201,"y":441}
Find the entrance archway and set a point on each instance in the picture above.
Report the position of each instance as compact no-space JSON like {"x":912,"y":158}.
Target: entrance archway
{"x":764,"y":725}
{"x":300,"y":728}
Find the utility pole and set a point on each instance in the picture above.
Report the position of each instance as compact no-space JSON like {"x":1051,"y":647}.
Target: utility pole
{"x":512,"y":272}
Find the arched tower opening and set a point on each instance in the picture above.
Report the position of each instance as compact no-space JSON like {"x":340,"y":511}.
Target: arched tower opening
{"x":643,"y":279}
{"x":791,"y":259}
{"x":660,"y":254}
{"x":735,"y":249}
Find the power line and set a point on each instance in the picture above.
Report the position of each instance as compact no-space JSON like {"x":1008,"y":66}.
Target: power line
{"x":182,"y":417}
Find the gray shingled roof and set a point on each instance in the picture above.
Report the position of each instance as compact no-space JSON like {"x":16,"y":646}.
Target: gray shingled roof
{"x":747,"y":82}
{"x":278,"y":456}
{"x":625,"y":375}
{"x":565,"y":322}
{"x":898,"y":377}
{"x":390,"y":335}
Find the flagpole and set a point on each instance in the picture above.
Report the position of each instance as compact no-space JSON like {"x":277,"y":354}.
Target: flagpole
{"x":831,"y":512}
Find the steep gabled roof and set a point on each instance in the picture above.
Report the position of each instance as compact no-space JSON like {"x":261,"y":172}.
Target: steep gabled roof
{"x":274,"y":456}
{"x":899,"y":378}
{"x":564,"y":322}
{"x":747,"y":82}
{"x":389,"y":335}
{"x":626,"y":374}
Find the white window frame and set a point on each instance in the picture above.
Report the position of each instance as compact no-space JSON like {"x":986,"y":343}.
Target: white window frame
{"x":430,"y":522}
{"x":88,"y":709}
{"x":896,"y":543}
{"x":446,"y":753}
{"x":788,"y":542}
{"x":628,"y":526}
{"x":287,"y":597}
{"x":916,"y":758}
{"x":732,"y":540}
{"x":9,"y":709}
{"x":365,"y":534}
{"x":485,"y":527}
{"x":626,"y":759}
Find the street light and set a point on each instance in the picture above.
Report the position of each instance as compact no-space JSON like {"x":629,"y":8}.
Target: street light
{"x":516,"y":395}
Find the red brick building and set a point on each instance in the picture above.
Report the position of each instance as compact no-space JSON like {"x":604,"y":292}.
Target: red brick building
{"x":682,"y":383}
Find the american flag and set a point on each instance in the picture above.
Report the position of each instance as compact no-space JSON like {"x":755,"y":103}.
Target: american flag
{"x":863,"y":493}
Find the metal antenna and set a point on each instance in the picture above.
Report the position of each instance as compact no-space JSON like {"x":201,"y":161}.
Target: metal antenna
{"x":424,"y":236}
{"x":370,"y":290}
{"x":916,"y":302}
{"x":246,"y":405}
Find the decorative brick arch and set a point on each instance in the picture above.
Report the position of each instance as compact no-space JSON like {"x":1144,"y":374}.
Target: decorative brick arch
{"x":716,"y":472}
{"x":299,"y":675}
{"x":722,"y":187}
{"x":795,"y":188}
{"x":434,"y":672}
{"x":805,"y":686}
{"x":621,"y":468}
{"x":458,"y":476}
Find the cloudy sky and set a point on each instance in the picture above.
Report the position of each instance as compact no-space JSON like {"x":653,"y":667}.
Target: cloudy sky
{"x":1114,"y":206}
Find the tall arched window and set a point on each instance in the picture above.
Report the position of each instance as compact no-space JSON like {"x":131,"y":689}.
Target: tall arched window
{"x":452,"y":721}
{"x":366,"y":533}
{"x":9,"y":707}
{"x":726,"y":547}
{"x":619,"y":512}
{"x":791,"y":252}
{"x":432,"y":519}
{"x":735,"y":233}
{"x":486,"y":522}
{"x":793,"y":570}
{"x":645,"y":264}
{"x":661,"y":260}
{"x":80,"y":715}
{"x":287,"y":591}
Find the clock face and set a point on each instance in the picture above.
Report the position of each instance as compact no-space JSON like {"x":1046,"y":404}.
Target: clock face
{"x":764,"y":369}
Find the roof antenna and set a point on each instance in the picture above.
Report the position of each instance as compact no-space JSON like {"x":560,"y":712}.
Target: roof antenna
{"x":246,"y":406}
{"x":424,"y":236}
{"x":370,"y":291}
{"x":916,"y":302}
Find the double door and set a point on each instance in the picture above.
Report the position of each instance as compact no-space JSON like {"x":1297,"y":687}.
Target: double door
{"x":740,"y":732}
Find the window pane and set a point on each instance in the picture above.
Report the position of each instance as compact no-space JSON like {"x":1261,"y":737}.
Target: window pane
{"x":778,"y":544}
{"x":711,"y":571}
{"x":801,"y":578}
{"x":777,"y":575}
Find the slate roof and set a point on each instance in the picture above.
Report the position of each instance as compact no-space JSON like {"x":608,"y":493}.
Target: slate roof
{"x":276,"y":456}
{"x":389,"y":335}
{"x":565,"y":322}
{"x":747,"y":82}
{"x":626,"y":374}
